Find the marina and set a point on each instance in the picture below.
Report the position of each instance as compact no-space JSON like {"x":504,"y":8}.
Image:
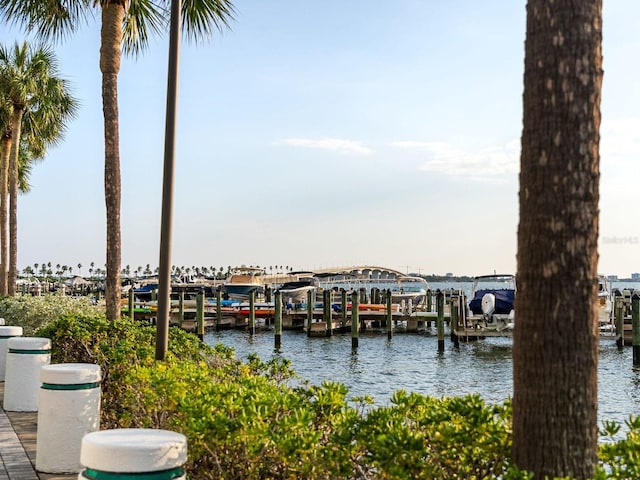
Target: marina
{"x":485,"y":308}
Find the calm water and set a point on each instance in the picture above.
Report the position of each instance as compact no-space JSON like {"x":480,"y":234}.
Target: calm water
{"x":411,"y":362}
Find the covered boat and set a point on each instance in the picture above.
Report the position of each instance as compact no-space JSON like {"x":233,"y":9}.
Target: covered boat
{"x":492,"y":304}
{"x":296,"y":291}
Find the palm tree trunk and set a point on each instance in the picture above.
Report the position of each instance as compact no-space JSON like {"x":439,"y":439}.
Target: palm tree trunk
{"x":13,"y":204}
{"x":555,"y":351}
{"x":110,"y":52}
{"x":4,"y":237}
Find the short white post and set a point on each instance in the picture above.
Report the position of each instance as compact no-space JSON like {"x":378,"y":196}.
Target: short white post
{"x":5,"y":334}
{"x":25,"y":357}
{"x":68,"y":409}
{"x":133,"y":452}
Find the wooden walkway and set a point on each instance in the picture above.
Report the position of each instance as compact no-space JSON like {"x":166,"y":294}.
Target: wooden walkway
{"x":18,"y":446}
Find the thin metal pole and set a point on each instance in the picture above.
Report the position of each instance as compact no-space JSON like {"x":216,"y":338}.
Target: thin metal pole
{"x":164,"y":278}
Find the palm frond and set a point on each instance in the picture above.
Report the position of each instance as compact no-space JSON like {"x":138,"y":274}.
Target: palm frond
{"x":29,"y":81}
{"x":48,"y":19}
{"x":201,"y":17}
{"x":28,"y":156}
{"x":144,"y":19}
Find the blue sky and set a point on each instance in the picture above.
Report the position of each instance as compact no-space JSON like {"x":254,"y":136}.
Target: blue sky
{"x":322,"y":134}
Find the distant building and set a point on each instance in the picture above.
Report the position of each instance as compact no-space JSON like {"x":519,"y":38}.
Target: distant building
{"x":449,"y":274}
{"x":635,"y":277}
{"x":612,"y":278}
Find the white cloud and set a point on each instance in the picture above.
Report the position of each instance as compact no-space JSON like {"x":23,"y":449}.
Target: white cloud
{"x":489,"y":164}
{"x":342,"y":146}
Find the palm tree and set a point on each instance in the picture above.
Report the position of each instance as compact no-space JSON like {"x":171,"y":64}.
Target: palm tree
{"x":30,"y":150}
{"x":40,"y":105}
{"x":6,"y":142}
{"x":126,"y":26}
{"x":555,"y":396}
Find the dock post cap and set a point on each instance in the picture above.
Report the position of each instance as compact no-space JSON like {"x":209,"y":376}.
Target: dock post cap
{"x":10,"y":331}
{"x":29,"y":344}
{"x":70,"y":374}
{"x":133,"y":450}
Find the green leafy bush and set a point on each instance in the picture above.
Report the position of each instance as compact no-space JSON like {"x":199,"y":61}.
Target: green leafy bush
{"x":620,"y":458}
{"x":425,"y":437}
{"x":118,"y":347}
{"x":31,"y":313}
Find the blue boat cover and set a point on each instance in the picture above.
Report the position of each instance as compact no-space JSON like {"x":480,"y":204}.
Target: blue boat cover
{"x":504,"y":300}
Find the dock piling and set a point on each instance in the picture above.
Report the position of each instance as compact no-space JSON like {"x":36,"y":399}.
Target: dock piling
{"x":619,"y":315}
{"x":218,"y":308}
{"x":326,"y":311}
{"x":440,"y":321}
{"x":252,"y":312}
{"x":199,"y":315}
{"x":355,"y":321}
{"x":635,"y":325}
{"x":278,"y":320}
{"x":310,"y":298}
{"x":389,"y":316}
{"x":132,"y":305}
{"x":181,"y":307}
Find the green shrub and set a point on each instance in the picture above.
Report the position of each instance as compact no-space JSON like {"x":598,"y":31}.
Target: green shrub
{"x":425,"y":437}
{"x":31,"y":313}
{"x":118,"y":347}
{"x":620,"y":458}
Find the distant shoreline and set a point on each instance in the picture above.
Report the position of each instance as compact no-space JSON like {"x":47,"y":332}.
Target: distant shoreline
{"x":464,"y":278}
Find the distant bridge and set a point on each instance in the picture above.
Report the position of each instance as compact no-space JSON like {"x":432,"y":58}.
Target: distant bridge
{"x":362,"y":271}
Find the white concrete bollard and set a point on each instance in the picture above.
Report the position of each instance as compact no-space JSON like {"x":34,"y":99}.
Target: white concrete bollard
{"x":5,"y":334}
{"x":25,"y":357}
{"x":133,"y":453}
{"x":68,"y":409}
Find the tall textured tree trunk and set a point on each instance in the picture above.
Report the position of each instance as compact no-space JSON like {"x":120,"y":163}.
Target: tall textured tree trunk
{"x":4,"y":204}
{"x":110,"y":52}
{"x":12,"y":275}
{"x":556,"y":338}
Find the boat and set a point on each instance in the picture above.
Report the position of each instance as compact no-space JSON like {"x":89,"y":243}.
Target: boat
{"x":605,"y":304}
{"x":242,"y":281}
{"x":492,"y":304}
{"x":409,"y":289}
{"x":260,"y":309}
{"x":145,"y":292}
{"x":296,"y":291}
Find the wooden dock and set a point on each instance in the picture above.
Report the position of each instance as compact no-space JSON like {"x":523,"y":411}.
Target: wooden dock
{"x":184,"y":313}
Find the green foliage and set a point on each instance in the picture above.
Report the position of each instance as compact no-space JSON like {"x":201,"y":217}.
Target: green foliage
{"x":241,"y":424}
{"x":31,"y":313}
{"x":425,"y":437}
{"x":620,"y":459}
{"x":118,"y":347}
